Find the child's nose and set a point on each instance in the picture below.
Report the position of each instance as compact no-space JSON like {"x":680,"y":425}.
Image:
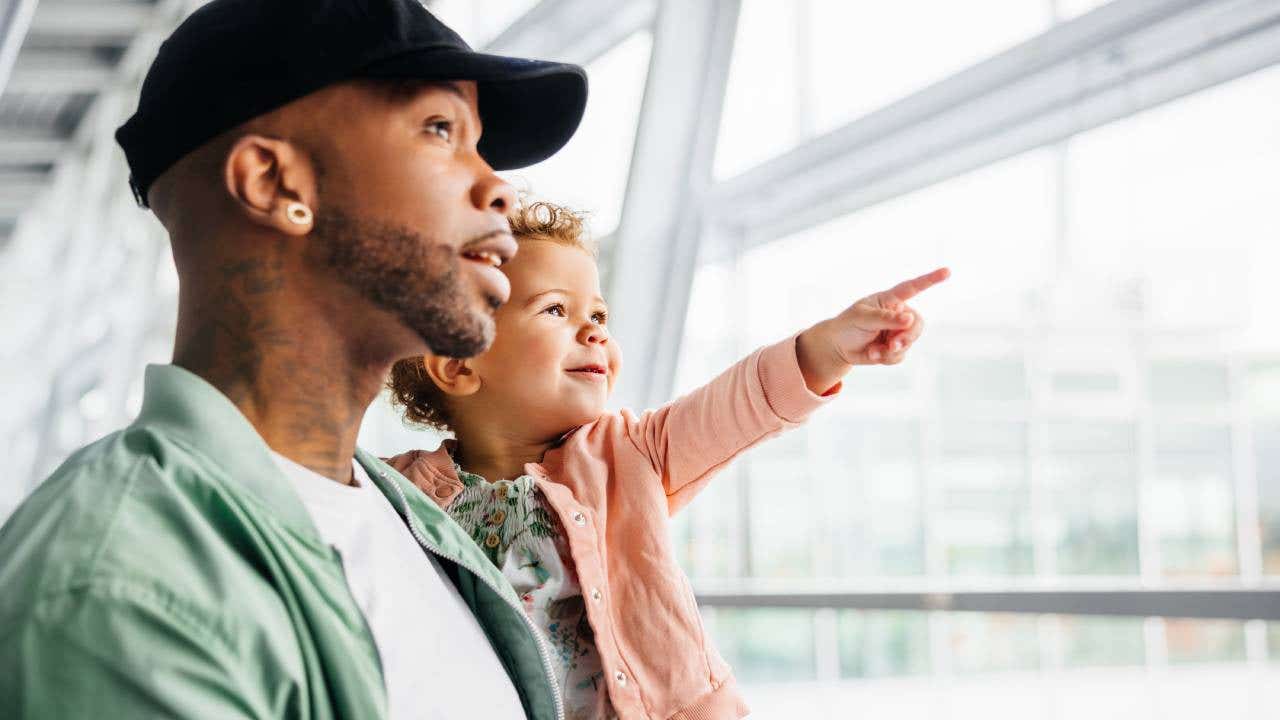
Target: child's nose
{"x":593,"y":333}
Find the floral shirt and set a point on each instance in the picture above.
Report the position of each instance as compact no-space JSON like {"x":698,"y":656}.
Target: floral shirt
{"x":512,"y":523}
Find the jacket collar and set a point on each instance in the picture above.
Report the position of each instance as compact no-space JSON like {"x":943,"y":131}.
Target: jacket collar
{"x":187,"y":408}
{"x":436,"y":475}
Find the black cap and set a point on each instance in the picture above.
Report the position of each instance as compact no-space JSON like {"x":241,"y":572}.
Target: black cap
{"x":233,"y":60}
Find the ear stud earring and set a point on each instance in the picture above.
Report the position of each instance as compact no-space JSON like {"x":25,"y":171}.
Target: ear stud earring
{"x":299,"y":214}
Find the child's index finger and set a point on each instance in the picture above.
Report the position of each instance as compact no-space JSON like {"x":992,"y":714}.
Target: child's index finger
{"x":911,"y":288}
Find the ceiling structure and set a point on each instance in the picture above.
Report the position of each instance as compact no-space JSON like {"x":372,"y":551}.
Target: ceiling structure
{"x":57,"y":57}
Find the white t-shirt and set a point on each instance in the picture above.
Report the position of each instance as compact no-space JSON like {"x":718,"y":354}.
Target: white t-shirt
{"x":436,"y":660}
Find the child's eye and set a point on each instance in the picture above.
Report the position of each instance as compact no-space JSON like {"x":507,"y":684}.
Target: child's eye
{"x":441,"y":128}
{"x":600,"y":318}
{"x":557,"y":310}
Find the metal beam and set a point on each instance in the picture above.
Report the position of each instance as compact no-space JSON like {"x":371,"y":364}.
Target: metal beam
{"x":15,"y":18}
{"x":18,"y":191}
{"x":1127,"y":56}
{"x":11,"y":179}
{"x":90,"y":21}
{"x":1225,"y":603}
{"x":17,"y":199}
{"x":656,"y":248}
{"x":22,"y":149}
{"x":57,"y":72}
{"x":575,"y":31}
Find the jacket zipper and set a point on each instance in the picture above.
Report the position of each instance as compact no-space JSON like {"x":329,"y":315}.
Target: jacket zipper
{"x":543,"y":653}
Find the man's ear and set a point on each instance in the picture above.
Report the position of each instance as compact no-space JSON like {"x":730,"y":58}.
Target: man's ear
{"x":451,"y":375}
{"x":273,"y":182}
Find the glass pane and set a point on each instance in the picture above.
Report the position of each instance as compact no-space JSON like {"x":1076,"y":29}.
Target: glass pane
{"x":880,"y":644}
{"x":1176,"y":205}
{"x":1102,"y":641}
{"x":863,"y":56}
{"x":806,"y":67}
{"x":984,"y":522}
{"x":1085,"y":382}
{"x":1091,"y":487}
{"x":1071,"y":438}
{"x":1199,"y":641}
{"x":1264,"y":388}
{"x":870,"y":475}
{"x":760,"y":118}
{"x":1188,"y":384}
{"x":590,"y":173}
{"x":1266,"y":443}
{"x":1264,"y":396}
{"x":1004,"y":211}
{"x":712,"y":336}
{"x":784,"y":503}
{"x":964,"y":383}
{"x":991,"y":642}
{"x":706,"y":532}
{"x":1192,"y":505}
{"x":766,"y":645}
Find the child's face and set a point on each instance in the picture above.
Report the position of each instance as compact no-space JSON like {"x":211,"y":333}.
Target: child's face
{"x":553,"y":363}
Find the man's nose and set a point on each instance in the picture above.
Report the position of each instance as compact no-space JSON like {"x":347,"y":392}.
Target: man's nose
{"x":493,"y":193}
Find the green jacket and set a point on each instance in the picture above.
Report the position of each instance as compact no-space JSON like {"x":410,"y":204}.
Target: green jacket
{"x":169,"y":570}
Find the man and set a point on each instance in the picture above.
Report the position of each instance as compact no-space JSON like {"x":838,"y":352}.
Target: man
{"x":324,"y":169}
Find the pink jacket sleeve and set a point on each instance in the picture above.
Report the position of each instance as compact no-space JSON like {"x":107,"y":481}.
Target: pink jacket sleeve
{"x":689,"y":439}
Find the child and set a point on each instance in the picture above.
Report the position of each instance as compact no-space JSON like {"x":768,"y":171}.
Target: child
{"x":571,"y":503}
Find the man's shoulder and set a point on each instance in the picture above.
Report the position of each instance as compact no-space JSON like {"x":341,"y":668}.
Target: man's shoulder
{"x":123,"y":572}
{"x":81,"y":496}
{"x":129,"y":517}
{"x":84,"y":495}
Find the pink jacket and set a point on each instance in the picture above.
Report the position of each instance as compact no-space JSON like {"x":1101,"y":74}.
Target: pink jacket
{"x":613,"y":483}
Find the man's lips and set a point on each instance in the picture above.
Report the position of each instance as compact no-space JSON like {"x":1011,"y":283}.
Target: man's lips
{"x":494,"y":249}
{"x":485,"y":255}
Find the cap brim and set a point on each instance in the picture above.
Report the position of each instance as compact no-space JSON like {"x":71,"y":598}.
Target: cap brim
{"x":529,"y":108}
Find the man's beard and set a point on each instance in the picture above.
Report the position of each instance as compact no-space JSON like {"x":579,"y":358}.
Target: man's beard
{"x":406,"y":274}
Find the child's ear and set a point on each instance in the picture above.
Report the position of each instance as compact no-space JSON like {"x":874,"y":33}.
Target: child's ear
{"x":451,"y":375}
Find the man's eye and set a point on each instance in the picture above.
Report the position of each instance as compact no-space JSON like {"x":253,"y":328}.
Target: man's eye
{"x":441,"y":128}
{"x":557,"y":310}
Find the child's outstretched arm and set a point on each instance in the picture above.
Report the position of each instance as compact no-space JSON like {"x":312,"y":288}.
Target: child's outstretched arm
{"x":690,"y":439}
{"x":877,"y":330}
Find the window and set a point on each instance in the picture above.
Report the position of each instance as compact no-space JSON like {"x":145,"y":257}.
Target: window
{"x":883,"y":644}
{"x":590,"y":173}
{"x":1100,"y":379}
{"x":805,"y":67}
{"x":1090,"y":473}
{"x":479,"y":21}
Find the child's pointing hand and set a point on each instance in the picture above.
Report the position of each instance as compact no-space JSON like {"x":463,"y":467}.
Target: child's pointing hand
{"x":876,"y":330}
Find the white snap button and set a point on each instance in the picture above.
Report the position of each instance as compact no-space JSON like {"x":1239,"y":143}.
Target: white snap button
{"x":621,"y":678}
{"x":383,"y":473}
{"x":595,"y":594}
{"x":579,"y":519}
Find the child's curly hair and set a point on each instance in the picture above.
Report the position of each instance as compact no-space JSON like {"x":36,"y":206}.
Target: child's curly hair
{"x":412,"y":389}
